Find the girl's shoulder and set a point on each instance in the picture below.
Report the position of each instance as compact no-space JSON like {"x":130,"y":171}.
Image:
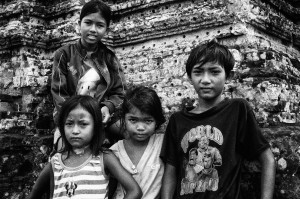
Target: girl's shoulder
{"x":158,"y":137}
{"x":116,"y":145}
{"x":65,"y":49}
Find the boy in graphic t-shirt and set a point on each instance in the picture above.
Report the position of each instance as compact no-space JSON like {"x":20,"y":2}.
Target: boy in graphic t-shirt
{"x":204,"y":146}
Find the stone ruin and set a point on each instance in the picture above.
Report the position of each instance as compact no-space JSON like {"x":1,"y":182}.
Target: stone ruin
{"x":152,"y":39}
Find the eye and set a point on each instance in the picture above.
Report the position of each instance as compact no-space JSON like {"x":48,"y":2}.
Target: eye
{"x":68,"y":123}
{"x":149,"y":121}
{"x":215,"y":72}
{"x":132,"y":120}
{"x":100,"y":25}
{"x":88,"y":22}
{"x":197,"y":71}
{"x":83,"y":124}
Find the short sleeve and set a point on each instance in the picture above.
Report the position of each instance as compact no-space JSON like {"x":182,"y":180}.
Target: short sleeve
{"x":115,"y":149}
{"x":251,"y":141}
{"x":169,"y":154}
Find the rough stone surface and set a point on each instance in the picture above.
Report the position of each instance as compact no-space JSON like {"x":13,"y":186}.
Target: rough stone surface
{"x":152,"y":39}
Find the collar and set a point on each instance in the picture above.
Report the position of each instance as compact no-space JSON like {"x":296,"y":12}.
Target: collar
{"x":82,"y":50}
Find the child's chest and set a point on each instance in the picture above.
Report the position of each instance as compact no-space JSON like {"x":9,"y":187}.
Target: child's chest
{"x":135,"y":153}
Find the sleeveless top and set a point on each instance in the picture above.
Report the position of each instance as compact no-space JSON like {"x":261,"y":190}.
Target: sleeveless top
{"x":85,"y":181}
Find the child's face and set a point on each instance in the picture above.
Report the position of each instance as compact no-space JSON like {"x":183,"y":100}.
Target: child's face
{"x":93,"y":27}
{"x":139,"y":126}
{"x":79,"y":128}
{"x":208,"y":80}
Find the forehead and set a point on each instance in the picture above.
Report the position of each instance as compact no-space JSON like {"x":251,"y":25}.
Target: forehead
{"x":97,"y":17}
{"x":80,"y":112}
{"x":135,"y":112}
{"x":208,"y":65}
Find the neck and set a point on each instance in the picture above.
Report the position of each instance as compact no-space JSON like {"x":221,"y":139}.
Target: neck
{"x":82,"y":151}
{"x":89,"y":48}
{"x":135,"y":143}
{"x":204,"y":105}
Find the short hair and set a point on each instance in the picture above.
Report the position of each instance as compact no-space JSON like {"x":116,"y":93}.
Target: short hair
{"x":146,"y":100}
{"x":95,"y":6}
{"x":211,"y":51}
{"x":90,"y":105}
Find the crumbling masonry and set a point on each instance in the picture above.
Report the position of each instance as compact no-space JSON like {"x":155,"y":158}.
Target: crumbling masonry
{"x":152,"y":39}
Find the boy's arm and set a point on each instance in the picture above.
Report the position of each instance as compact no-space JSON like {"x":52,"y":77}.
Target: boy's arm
{"x":168,"y":182}
{"x":267,"y":161}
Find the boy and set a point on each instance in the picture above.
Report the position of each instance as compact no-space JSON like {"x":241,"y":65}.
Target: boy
{"x":222,"y":131}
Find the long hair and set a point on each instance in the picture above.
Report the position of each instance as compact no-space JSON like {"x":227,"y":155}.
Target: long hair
{"x":90,"y":105}
{"x":98,"y":6}
{"x":146,"y":100}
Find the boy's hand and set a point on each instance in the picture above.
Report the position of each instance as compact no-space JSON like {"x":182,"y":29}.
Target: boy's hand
{"x":105,"y":114}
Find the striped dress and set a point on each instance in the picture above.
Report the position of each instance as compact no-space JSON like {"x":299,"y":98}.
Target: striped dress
{"x":87,"y":181}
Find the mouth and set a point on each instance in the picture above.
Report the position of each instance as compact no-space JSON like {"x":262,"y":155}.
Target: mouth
{"x":75,"y":138}
{"x":140,"y":135}
{"x":205,"y":89}
{"x":92,"y":37}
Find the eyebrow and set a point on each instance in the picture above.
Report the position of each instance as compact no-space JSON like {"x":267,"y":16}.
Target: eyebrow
{"x":147,"y":117}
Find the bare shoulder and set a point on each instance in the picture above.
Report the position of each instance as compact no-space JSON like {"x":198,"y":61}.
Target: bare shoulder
{"x":109,"y":158}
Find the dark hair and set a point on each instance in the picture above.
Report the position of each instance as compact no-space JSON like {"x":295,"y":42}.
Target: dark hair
{"x":210,"y":52}
{"x":146,"y":100}
{"x":96,"y":6}
{"x":90,"y":105}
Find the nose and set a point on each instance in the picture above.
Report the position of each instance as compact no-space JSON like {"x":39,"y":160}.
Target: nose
{"x":205,"y":78}
{"x":140,"y":126}
{"x":93,"y":28}
{"x":75,"y":130}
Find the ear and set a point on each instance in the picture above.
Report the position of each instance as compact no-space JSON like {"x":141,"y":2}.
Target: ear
{"x":78,"y":26}
{"x":107,"y":30}
{"x":230,"y":76}
{"x":190,"y":80}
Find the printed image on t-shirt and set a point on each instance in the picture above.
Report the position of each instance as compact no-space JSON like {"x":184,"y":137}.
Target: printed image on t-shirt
{"x":88,"y":83}
{"x":201,"y":159}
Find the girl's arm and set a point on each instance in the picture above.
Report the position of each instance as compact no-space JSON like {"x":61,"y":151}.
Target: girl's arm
{"x":111,"y":162}
{"x":118,"y":87}
{"x":267,"y":161}
{"x":42,"y":184}
{"x":168,"y":182}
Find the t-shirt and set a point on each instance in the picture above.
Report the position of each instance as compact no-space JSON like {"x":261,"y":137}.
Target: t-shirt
{"x":85,"y":181}
{"x":148,"y":172}
{"x":208,"y":149}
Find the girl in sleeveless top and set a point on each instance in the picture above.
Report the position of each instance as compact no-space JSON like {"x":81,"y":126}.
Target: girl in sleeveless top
{"x":81,"y":169}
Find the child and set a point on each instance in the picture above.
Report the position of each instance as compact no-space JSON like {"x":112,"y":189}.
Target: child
{"x":204,"y":146}
{"x":80,"y":170}
{"x":139,"y":152}
{"x":88,"y":67}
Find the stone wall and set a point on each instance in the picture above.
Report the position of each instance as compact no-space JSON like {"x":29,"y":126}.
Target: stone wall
{"x":152,"y":39}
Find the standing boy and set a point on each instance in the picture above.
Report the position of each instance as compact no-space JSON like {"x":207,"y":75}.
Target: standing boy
{"x":229,"y":128}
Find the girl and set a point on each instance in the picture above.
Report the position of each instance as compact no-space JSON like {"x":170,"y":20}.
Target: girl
{"x":139,"y":152}
{"x":88,"y":67}
{"x":79,"y":170}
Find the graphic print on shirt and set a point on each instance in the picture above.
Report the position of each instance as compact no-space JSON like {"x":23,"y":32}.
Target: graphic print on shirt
{"x":70,"y":187}
{"x":201,"y":159}
{"x":88,"y":83}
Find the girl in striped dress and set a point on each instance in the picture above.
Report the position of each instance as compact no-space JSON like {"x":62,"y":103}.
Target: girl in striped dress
{"x":82,"y":168}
